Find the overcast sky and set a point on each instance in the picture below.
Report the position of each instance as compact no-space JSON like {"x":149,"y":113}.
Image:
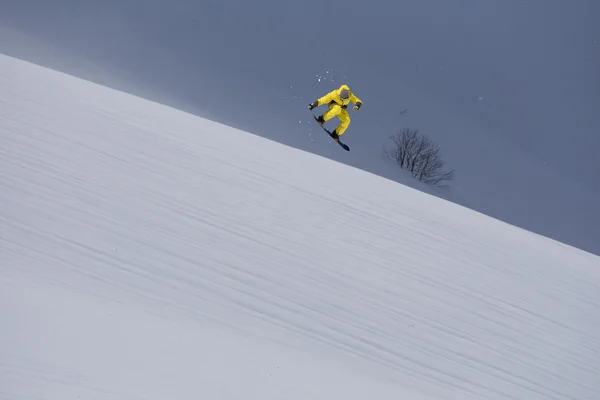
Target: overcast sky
{"x":493,"y":73}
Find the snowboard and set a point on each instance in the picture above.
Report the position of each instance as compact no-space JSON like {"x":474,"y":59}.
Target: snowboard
{"x":344,"y":146}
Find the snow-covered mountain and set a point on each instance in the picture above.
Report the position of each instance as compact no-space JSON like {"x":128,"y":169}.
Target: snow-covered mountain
{"x":147,"y":253}
{"x":508,"y":89}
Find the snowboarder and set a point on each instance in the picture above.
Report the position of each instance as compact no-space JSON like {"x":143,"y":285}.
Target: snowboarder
{"x":338,"y":101}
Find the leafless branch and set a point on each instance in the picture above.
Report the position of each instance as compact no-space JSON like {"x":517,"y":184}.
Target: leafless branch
{"x":420,"y":155}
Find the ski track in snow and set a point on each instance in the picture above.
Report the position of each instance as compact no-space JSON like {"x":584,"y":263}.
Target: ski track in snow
{"x":222,"y":245}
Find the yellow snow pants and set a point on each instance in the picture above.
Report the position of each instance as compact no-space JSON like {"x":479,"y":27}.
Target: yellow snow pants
{"x":341,"y":113}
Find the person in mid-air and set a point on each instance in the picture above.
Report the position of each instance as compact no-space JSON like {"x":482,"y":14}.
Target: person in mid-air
{"x":338,"y":101}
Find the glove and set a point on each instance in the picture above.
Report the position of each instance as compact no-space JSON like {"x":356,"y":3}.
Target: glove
{"x":357,"y":106}
{"x":313,"y":105}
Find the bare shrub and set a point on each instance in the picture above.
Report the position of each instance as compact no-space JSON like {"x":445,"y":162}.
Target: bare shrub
{"x":418,"y":154}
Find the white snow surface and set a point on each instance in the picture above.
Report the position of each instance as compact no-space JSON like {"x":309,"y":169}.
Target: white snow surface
{"x":146,"y":253}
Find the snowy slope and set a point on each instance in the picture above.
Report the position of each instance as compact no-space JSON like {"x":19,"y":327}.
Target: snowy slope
{"x":150,"y":254}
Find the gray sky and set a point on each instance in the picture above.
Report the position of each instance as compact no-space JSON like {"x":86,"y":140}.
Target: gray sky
{"x":488,"y":80}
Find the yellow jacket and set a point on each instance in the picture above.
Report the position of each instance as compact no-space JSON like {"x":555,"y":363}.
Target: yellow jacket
{"x":334,"y":95}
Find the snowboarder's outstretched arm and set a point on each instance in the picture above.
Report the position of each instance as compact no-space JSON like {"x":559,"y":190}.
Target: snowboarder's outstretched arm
{"x":328,"y":98}
{"x":357,"y":102}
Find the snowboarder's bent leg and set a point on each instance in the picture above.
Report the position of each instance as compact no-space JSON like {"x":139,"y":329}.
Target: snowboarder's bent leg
{"x":332,"y":112}
{"x":345,"y":122}
{"x":342,"y":114}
